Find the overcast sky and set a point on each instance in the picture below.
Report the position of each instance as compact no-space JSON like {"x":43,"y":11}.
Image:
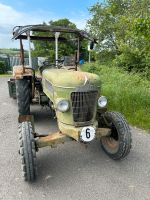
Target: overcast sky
{"x":19,"y":12}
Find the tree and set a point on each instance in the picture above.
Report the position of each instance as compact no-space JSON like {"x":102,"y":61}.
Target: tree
{"x":123,"y":29}
{"x":45,"y":48}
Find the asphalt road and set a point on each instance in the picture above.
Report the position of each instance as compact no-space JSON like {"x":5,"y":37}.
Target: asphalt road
{"x":70,"y":171}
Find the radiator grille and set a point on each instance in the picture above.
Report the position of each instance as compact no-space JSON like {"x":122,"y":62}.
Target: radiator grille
{"x":83,"y":105}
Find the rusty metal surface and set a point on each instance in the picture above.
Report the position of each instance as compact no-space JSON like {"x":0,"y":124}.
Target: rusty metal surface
{"x":111,"y":143}
{"x":59,"y":138}
{"x":52,"y":140}
{"x":74,"y":132}
{"x":69,"y":130}
{"x":22,"y":55}
{"x":19,"y":72}
{"x":23,"y":118}
{"x":100,"y":132}
{"x":29,"y":118}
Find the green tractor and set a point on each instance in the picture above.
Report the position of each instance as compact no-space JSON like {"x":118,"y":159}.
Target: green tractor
{"x":74,"y":98}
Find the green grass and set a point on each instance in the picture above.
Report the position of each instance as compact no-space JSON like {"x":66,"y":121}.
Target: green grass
{"x":5,"y":75}
{"x":12,"y":52}
{"x":126,"y":93}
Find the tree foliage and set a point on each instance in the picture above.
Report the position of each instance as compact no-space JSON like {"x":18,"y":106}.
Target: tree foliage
{"x":47,"y":49}
{"x":123,"y":29}
{"x":3,"y":67}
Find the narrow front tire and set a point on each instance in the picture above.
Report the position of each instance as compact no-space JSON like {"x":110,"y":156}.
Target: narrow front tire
{"x":27,"y":151}
{"x":118,"y":144}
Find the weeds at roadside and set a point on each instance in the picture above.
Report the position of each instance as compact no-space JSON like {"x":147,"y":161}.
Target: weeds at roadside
{"x":126,"y":93}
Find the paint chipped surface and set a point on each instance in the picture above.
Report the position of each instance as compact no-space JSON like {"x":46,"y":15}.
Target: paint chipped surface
{"x":67,"y":78}
{"x":19,"y":72}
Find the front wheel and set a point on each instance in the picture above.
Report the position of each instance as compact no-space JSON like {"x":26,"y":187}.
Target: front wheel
{"x":118,"y":144}
{"x":27,"y":151}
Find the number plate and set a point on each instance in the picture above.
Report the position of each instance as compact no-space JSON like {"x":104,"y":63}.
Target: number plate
{"x":87,"y":134}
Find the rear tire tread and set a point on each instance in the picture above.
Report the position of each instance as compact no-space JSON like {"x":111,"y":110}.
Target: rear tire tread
{"x":23,"y":96}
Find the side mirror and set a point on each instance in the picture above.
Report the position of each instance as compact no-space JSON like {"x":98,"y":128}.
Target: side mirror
{"x":91,"y":45}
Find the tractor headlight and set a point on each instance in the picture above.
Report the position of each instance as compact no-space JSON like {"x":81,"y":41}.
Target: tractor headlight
{"x":63,"y":105}
{"x":102,"y":101}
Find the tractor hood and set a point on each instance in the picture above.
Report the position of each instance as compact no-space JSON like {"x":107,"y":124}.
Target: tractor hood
{"x":69,"y":79}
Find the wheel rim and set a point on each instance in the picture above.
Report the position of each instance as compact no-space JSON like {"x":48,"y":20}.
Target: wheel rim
{"x":110,"y":142}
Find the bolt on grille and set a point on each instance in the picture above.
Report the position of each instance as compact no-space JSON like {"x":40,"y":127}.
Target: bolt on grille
{"x":83,"y":105}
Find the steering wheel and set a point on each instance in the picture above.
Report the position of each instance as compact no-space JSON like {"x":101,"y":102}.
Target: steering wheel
{"x":46,"y":64}
{"x":59,"y":63}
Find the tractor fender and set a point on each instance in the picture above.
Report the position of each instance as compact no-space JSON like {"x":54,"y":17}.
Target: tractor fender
{"x":19,"y":71}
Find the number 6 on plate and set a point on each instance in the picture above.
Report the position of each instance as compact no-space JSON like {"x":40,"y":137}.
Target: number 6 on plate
{"x":87,"y":134}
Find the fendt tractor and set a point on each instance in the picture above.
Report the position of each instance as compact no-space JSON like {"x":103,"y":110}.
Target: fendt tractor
{"x":74,"y":98}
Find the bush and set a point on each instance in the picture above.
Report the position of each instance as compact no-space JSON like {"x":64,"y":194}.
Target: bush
{"x":105,"y":56}
{"x":127,"y":93}
{"x":3,"y":67}
{"x":133,"y":60}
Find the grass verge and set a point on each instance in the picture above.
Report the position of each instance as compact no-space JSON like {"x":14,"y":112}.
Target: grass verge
{"x":5,"y":75}
{"x":126,"y":93}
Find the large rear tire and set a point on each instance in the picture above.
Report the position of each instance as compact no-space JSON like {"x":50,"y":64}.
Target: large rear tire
{"x":23,"y":96}
{"x":118,"y":144}
{"x":27,"y":151}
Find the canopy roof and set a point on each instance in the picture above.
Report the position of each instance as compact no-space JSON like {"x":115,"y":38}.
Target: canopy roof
{"x":20,"y":32}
